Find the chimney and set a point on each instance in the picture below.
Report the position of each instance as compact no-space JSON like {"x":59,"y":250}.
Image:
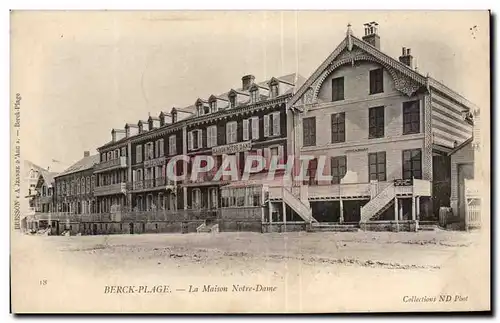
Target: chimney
{"x":406,"y":57}
{"x":247,"y":81}
{"x":371,"y":34}
{"x":86,"y":153}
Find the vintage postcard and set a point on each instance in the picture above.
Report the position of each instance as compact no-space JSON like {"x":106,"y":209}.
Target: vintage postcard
{"x":250,"y":161}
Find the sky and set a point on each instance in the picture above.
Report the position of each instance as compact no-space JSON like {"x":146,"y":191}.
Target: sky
{"x":82,"y":73}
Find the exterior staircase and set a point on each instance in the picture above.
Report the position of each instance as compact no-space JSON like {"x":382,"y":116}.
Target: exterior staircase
{"x":378,"y":204}
{"x":303,"y":210}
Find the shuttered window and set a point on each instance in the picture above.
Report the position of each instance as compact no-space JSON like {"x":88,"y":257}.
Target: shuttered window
{"x":309,"y":131}
{"x":245,"y":129}
{"x":172,"y":145}
{"x":266,"y":126}
{"x":231,"y":132}
{"x":138,"y":153}
{"x":254,"y":122}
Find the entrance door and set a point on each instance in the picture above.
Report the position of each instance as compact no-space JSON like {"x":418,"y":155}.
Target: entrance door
{"x":131,"y":228}
{"x":465,"y":171}
{"x":94,"y":229}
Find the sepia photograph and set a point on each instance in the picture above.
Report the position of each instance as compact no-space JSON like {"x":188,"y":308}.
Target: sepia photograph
{"x":250,"y":161}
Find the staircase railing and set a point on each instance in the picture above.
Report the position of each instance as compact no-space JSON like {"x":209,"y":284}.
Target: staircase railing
{"x":370,"y":209}
{"x":296,"y":204}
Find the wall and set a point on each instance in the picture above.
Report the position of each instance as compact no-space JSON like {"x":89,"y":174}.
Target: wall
{"x":462,"y":156}
{"x":356,"y":105}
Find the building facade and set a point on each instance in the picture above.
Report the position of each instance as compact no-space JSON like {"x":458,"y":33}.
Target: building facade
{"x":74,"y":187}
{"x":384,"y":128}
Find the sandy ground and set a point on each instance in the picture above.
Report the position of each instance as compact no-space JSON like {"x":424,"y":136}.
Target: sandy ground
{"x":302,"y":272}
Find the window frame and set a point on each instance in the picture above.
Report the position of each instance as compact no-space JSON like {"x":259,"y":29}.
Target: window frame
{"x":375,"y":130}
{"x":310,"y":142}
{"x":340,"y":170}
{"x":376,"y":79}
{"x":377,"y":165}
{"x":338,"y":135}
{"x":172,"y":145}
{"x":411,"y":126}
{"x":338,"y":95}
{"x":411,"y":171}
{"x":231,"y":131}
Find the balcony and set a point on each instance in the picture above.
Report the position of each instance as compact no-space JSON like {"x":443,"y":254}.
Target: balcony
{"x":117,"y":163}
{"x":118,"y":188}
{"x":151,"y":184}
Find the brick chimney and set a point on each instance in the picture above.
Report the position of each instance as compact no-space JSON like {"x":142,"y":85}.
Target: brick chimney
{"x":247,"y":81}
{"x":86,"y":153}
{"x":406,"y":57}
{"x":371,"y":34}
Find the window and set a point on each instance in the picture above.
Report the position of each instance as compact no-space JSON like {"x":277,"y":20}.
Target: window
{"x":338,"y":127}
{"x":138,"y":153}
{"x":82,"y":184}
{"x":92,"y":182}
{"x":339,"y":168}
{"x":174,"y":116}
{"x":254,"y":121}
{"x":161,"y":147}
{"x":309,"y":131}
{"x":338,"y":89}
{"x":254,"y":96}
{"x":274,"y":90}
{"x":266,"y":126}
{"x":376,"y":81}
{"x":276,"y":123}
{"x":213,"y":106}
{"x":194,"y":139}
{"x":412,"y":164}
{"x":172,"y":145}
{"x":232,"y":101}
{"x":411,"y":117}
{"x":88,"y":185}
{"x":117,"y":153}
{"x":103,"y":157}
{"x":124,"y":151}
{"x":245,"y":129}
{"x":231,"y":132}
{"x":149,"y":151}
{"x":274,"y":151}
{"x":376,"y":126}
{"x":199,"y":109}
{"x":376,"y":165}
{"x":212,"y":136}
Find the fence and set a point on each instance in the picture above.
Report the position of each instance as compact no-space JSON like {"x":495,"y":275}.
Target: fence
{"x":473,"y":215}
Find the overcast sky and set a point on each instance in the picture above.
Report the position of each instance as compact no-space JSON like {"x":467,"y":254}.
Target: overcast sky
{"x":80,"y":74}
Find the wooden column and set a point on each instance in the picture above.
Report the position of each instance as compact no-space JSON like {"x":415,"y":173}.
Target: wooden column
{"x":400,"y":215}
{"x":413,"y":210}
{"x":396,"y":209}
{"x":417,"y":207}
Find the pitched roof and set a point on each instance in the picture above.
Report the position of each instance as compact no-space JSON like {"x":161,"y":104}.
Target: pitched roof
{"x":349,"y":42}
{"x":82,"y":164}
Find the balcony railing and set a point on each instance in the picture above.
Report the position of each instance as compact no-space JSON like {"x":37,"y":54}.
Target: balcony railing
{"x":118,"y":188}
{"x":159,"y":182}
{"x":120,"y":162}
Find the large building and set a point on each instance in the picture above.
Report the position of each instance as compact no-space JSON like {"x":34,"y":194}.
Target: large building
{"x":386,"y":129}
{"x":382,"y":145}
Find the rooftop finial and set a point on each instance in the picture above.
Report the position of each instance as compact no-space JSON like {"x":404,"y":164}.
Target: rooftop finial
{"x":349,"y":39}
{"x":349,"y":30}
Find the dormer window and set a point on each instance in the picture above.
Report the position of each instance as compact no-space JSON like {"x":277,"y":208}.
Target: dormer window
{"x":213,"y":106}
{"x":274,"y":90}
{"x":174,"y":116}
{"x":232,"y":101}
{"x":254,"y":96}
{"x":199,"y":109}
